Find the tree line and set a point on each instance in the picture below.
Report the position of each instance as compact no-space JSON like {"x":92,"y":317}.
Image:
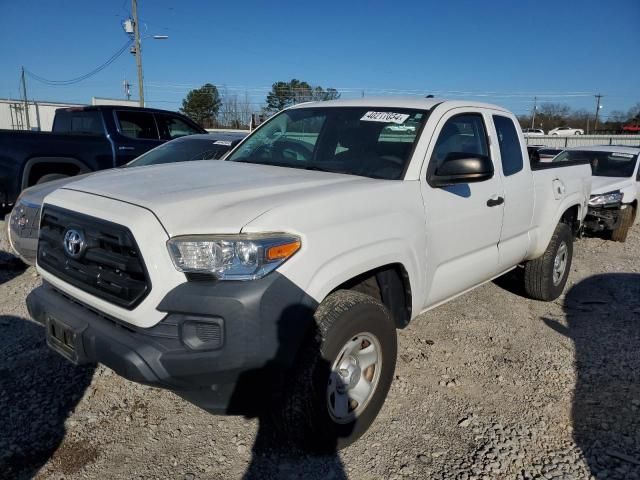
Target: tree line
{"x":217,"y":108}
{"x":551,"y":115}
{"x":213,"y":108}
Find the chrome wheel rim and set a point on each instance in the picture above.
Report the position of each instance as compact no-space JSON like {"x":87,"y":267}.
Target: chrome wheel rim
{"x":560,"y":263}
{"x":354,"y":377}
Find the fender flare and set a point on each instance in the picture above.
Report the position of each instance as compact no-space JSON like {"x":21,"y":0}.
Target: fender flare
{"x":26,"y":171}
{"x":343,"y":267}
{"x":543,"y":236}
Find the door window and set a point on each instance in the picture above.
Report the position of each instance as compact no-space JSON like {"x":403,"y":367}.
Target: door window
{"x":461,"y":135}
{"x":139,"y":125}
{"x":509,"y":143}
{"x":173,"y":127}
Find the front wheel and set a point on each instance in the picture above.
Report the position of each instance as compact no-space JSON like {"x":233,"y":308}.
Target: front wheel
{"x":343,"y":375}
{"x":546,"y":276}
{"x":577,"y":133}
{"x":627,"y":216}
{"x":50,"y":177}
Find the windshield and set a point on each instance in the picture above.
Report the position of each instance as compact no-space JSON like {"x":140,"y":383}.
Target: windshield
{"x":371,"y":142}
{"x":603,"y":164}
{"x":183,"y":151}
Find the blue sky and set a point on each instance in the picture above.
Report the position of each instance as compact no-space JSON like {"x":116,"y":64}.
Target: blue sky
{"x":500,"y":51}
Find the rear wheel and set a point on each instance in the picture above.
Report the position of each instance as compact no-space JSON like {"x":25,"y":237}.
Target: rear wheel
{"x":343,"y":374}
{"x":627,"y":216}
{"x":49,"y":177}
{"x":546,"y":276}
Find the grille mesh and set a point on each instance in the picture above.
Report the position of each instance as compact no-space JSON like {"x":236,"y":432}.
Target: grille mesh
{"x":111,"y":267}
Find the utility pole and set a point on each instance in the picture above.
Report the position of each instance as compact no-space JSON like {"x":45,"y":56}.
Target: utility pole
{"x":136,"y":35}
{"x":127,"y":89}
{"x":533,"y":115}
{"x":24,"y":98}
{"x":598,"y":97}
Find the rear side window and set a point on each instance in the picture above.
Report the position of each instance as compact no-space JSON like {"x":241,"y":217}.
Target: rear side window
{"x":461,"y":135}
{"x":173,"y":127}
{"x":78,"y":122}
{"x":137,"y":125}
{"x":510,"y":151}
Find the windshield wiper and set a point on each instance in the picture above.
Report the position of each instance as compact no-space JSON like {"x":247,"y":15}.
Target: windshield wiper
{"x":320,"y":169}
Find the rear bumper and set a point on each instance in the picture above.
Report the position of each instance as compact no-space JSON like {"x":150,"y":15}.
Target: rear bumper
{"x":253,"y":333}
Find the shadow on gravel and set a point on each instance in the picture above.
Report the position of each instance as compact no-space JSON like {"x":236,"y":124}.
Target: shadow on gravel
{"x":603,"y":314}
{"x":10,"y":267}
{"x":512,"y":281}
{"x":38,"y":391}
{"x":291,"y":452}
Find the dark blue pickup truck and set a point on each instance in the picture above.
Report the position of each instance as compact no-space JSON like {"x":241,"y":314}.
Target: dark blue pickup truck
{"x":82,"y":140}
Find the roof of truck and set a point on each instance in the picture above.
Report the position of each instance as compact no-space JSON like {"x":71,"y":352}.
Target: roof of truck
{"x":421,"y":103}
{"x":608,"y":148}
{"x":87,"y":108}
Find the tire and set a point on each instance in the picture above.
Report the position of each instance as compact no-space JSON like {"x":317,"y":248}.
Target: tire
{"x":627,"y":216}
{"x":49,"y":177}
{"x":540,"y":283}
{"x":308,"y":418}
{"x":577,"y":133}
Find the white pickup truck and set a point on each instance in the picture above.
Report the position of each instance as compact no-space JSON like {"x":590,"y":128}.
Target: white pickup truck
{"x":275,"y":280}
{"x":615,"y":192}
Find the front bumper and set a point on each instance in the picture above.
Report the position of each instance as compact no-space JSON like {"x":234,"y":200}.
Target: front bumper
{"x":22,"y":231}
{"x":260,"y":326}
{"x":603,"y":218}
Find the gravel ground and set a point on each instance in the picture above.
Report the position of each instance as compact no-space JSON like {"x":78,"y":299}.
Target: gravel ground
{"x":489,"y":386}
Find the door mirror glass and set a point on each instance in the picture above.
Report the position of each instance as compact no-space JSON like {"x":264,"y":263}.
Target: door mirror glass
{"x":462,"y":168}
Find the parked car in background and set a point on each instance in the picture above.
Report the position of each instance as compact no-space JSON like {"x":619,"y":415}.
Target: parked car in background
{"x":566,"y":131}
{"x":533,"y":132}
{"x":547,"y":154}
{"x":84,"y":139}
{"x":632,"y":128}
{"x":22,"y":222}
{"x":275,"y":280}
{"x":532,"y":151}
{"x":613,"y":206}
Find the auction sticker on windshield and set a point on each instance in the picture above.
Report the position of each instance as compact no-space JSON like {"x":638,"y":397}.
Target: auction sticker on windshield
{"x":226,"y":143}
{"x":385,"y":117}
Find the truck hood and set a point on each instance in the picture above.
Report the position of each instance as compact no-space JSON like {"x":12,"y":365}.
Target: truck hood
{"x":609,"y":184}
{"x":211,"y":197}
{"x":35,"y":195}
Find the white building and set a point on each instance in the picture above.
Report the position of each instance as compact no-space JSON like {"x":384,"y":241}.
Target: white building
{"x":41,"y":113}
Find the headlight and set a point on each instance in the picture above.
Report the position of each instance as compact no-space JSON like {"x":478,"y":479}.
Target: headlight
{"x":605,"y":198}
{"x":232,"y":257}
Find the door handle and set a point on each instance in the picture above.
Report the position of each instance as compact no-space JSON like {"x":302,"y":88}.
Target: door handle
{"x":495,"y":201}
{"x":122,"y":147}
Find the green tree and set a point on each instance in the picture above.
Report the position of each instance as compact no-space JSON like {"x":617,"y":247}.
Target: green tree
{"x":285,"y":94}
{"x":202,"y":104}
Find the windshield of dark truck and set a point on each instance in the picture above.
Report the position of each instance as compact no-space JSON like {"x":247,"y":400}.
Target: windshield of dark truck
{"x":183,"y":150}
{"x":603,"y":164}
{"x":367,"y":141}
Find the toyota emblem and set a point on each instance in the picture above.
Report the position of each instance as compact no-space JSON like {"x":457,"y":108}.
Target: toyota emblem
{"x":74,"y":243}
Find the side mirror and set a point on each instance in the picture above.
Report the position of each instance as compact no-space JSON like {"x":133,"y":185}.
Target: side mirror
{"x":462,"y":168}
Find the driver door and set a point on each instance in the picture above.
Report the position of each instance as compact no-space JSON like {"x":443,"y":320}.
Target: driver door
{"x":464,"y":220}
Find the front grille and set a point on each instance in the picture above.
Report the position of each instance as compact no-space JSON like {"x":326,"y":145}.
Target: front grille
{"x":110,"y":266}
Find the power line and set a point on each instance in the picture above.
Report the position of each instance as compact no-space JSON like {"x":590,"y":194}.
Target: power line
{"x":93,"y":72}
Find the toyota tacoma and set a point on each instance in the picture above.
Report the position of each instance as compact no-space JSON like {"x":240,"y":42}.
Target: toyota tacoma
{"x":274,"y":281}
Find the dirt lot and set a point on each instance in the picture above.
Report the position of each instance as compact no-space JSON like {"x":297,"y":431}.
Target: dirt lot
{"x":491,"y":385}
